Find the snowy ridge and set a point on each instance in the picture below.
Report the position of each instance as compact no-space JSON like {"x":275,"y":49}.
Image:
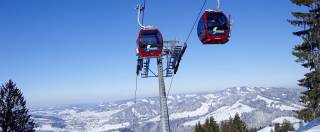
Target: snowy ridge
{"x":204,"y":109}
{"x":223,"y":113}
{"x":277,"y":104}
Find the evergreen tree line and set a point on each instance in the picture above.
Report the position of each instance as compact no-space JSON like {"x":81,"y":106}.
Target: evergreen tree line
{"x":284,"y":127}
{"x":14,"y":115}
{"x":237,"y":125}
{"x":232,"y":125}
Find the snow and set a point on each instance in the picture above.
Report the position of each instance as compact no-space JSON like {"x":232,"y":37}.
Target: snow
{"x":210,"y":96}
{"x":190,"y":95}
{"x":314,"y":129}
{"x":281,"y":119}
{"x":217,"y":105}
{"x":91,"y":120}
{"x":152,"y":102}
{"x":313,"y":126}
{"x":48,"y":127}
{"x":154,"y":111}
{"x":42,"y":112}
{"x":155,"y":119}
{"x":108,"y":127}
{"x":227,"y":93}
{"x":298,"y":106}
{"x":268,"y":101}
{"x":198,"y":112}
{"x":145,"y":100}
{"x":286,"y":107}
{"x":223,"y":113}
{"x":276,"y":104}
{"x":136,"y":113}
{"x":292,"y":120}
{"x":171,"y":97}
{"x":250,"y":89}
{"x":276,"y":98}
{"x":238,"y":88}
{"x":267,"y":129}
{"x":129,"y":103}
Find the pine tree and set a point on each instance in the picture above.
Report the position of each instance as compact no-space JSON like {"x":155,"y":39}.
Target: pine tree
{"x":214,"y":127}
{"x":308,"y":54}
{"x":277,"y":127}
{"x":198,"y":128}
{"x":206,"y":125}
{"x":238,"y":124}
{"x":225,"y":126}
{"x":14,"y":115}
{"x":286,"y":126}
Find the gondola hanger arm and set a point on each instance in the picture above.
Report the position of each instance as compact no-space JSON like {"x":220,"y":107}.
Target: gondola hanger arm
{"x":140,"y":9}
{"x":218,"y":5}
{"x":217,"y":8}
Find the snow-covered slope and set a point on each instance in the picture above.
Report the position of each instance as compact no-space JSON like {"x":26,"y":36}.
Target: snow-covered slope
{"x":313,"y":126}
{"x":258,"y":106}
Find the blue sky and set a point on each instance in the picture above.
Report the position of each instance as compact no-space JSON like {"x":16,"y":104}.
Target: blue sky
{"x":83,"y":51}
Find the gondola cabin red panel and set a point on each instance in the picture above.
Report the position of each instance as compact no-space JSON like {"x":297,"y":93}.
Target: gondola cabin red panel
{"x":150,"y":43}
{"x":213,"y":28}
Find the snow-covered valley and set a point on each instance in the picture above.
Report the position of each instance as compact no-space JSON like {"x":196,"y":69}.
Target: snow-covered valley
{"x":257,"y":106}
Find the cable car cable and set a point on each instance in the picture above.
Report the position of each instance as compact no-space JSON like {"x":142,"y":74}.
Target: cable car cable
{"x":185,"y":42}
{"x":195,"y":22}
{"x":170,"y":86}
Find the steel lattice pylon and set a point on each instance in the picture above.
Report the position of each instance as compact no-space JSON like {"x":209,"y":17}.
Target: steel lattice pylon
{"x":170,"y":57}
{"x":163,"y":98}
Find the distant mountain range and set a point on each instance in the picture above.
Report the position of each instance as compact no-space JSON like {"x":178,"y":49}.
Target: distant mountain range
{"x":257,"y":106}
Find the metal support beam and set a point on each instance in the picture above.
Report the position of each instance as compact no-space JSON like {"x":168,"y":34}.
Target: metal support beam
{"x":163,"y":98}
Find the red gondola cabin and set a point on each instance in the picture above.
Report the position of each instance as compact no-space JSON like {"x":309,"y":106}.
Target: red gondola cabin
{"x":213,"y":28}
{"x":150,"y":43}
